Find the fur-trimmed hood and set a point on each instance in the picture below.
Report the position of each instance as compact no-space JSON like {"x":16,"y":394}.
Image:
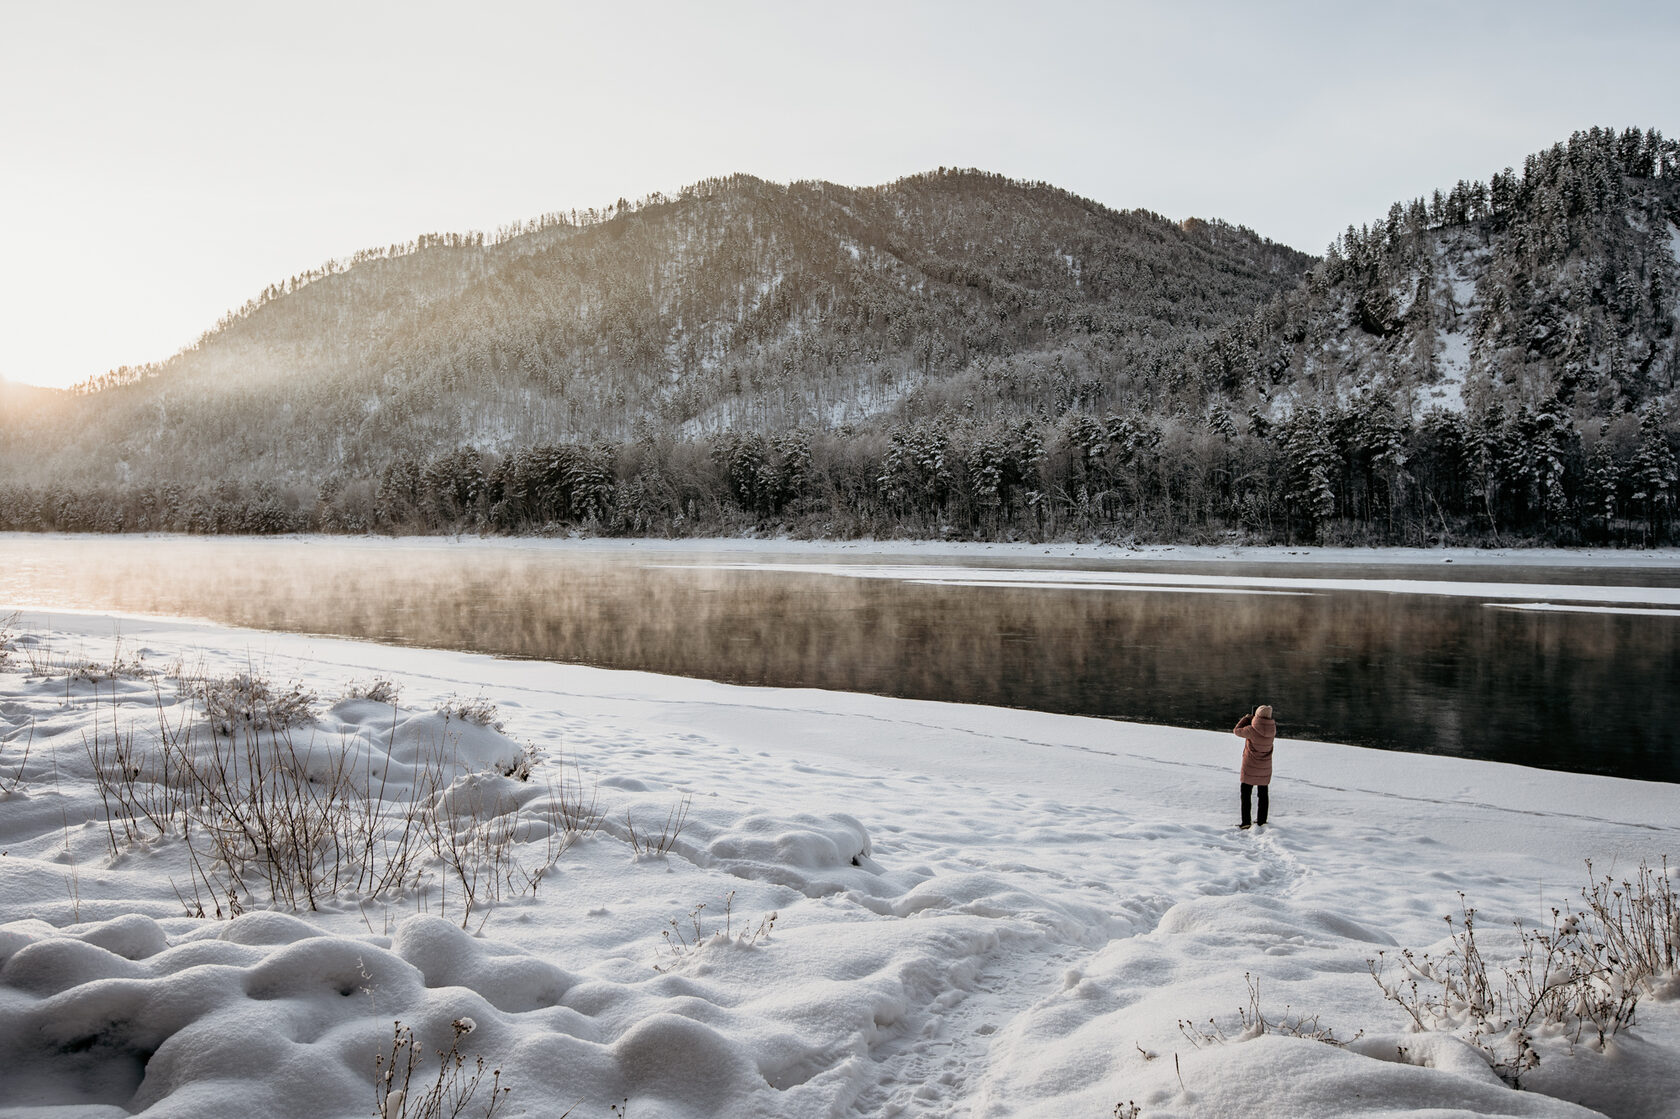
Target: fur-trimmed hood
{"x":1258,"y":732}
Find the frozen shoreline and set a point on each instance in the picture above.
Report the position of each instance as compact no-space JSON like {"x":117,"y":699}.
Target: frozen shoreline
{"x":1656,"y":558}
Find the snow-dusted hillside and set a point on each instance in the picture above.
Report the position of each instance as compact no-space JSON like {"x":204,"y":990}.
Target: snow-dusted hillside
{"x":736,"y":303}
{"x":953,"y":356}
{"x":1550,"y":287}
{"x":976,"y":912}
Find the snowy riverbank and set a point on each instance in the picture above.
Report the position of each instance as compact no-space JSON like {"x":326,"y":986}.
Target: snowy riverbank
{"x":978,"y":912}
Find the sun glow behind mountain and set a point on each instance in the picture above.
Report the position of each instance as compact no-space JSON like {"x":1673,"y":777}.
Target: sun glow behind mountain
{"x":166,"y":167}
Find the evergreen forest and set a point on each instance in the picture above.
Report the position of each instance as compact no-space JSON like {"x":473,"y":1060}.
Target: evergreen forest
{"x":954,"y":355}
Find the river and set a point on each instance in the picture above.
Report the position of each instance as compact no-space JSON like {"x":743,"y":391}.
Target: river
{"x":1558,"y":664}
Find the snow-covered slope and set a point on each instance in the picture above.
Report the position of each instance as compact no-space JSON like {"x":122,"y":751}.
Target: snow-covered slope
{"x":976,"y":912}
{"x":1552,"y":286}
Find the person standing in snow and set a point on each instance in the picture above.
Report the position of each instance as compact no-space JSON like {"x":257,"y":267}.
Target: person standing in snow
{"x":1258,"y":731}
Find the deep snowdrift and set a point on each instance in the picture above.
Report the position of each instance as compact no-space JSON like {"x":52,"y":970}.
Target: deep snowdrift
{"x":871,"y":906}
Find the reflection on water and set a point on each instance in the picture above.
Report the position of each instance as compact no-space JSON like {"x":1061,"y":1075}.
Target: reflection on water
{"x":1582,"y":690}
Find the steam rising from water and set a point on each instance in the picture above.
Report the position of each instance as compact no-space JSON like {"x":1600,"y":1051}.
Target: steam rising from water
{"x":1579,"y":680}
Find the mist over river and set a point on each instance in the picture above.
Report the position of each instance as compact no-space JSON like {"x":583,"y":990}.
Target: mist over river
{"x":1557,"y":664}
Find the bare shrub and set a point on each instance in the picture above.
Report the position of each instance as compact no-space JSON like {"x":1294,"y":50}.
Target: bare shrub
{"x":1583,"y":975}
{"x":262,"y":817}
{"x":681,"y":941}
{"x":475,"y":844}
{"x":11,"y":779}
{"x":1251,"y":1023}
{"x":648,"y":845}
{"x":478,"y":711}
{"x":120,"y":667}
{"x":244,"y":700}
{"x":1639,"y":920}
{"x":270,"y":816}
{"x":579,"y":812}
{"x":397,"y":1096}
{"x":569,"y":814}
{"x":380,"y":689}
{"x":266,"y":810}
{"x":257,"y":808}
{"x":38,"y":654}
{"x":477,"y":834}
{"x":147,"y":800}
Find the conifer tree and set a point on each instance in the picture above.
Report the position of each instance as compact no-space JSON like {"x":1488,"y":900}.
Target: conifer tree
{"x":1313,"y":464}
{"x":1603,"y":478}
{"x":1653,"y":470}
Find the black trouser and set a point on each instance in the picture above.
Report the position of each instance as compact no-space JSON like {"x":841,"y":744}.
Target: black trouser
{"x":1245,"y":801}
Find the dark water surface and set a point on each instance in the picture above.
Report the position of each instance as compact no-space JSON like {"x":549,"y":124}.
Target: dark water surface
{"x":1437,"y":672}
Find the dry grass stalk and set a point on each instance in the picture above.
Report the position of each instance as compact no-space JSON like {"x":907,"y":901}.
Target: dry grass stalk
{"x":646,"y":844}
{"x":396,"y":1095}
{"x":1251,"y":1023}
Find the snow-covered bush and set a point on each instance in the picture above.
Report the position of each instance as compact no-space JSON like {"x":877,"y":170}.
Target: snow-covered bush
{"x":1579,"y":979}
{"x":478,"y":711}
{"x":519,"y":768}
{"x":247,"y":701}
{"x":381,"y":689}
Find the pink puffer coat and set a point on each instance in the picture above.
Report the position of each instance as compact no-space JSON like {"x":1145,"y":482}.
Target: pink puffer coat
{"x":1260,"y":731}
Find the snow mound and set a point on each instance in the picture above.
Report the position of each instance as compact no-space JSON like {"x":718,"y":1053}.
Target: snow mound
{"x":1319,"y":1080}
{"x":300,"y":1019}
{"x":815,"y":855}
{"x":399,"y":746}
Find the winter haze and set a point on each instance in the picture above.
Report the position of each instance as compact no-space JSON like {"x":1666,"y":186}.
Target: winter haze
{"x":680,"y":561}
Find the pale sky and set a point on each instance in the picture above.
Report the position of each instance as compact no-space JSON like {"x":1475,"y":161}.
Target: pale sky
{"x":162,"y":162}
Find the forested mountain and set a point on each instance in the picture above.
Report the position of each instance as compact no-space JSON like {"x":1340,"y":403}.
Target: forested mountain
{"x":955,"y":354}
{"x":1503,"y":350}
{"x":739,"y":304}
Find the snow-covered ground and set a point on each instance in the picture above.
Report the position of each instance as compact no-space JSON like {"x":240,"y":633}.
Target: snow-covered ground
{"x":977,"y":912}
